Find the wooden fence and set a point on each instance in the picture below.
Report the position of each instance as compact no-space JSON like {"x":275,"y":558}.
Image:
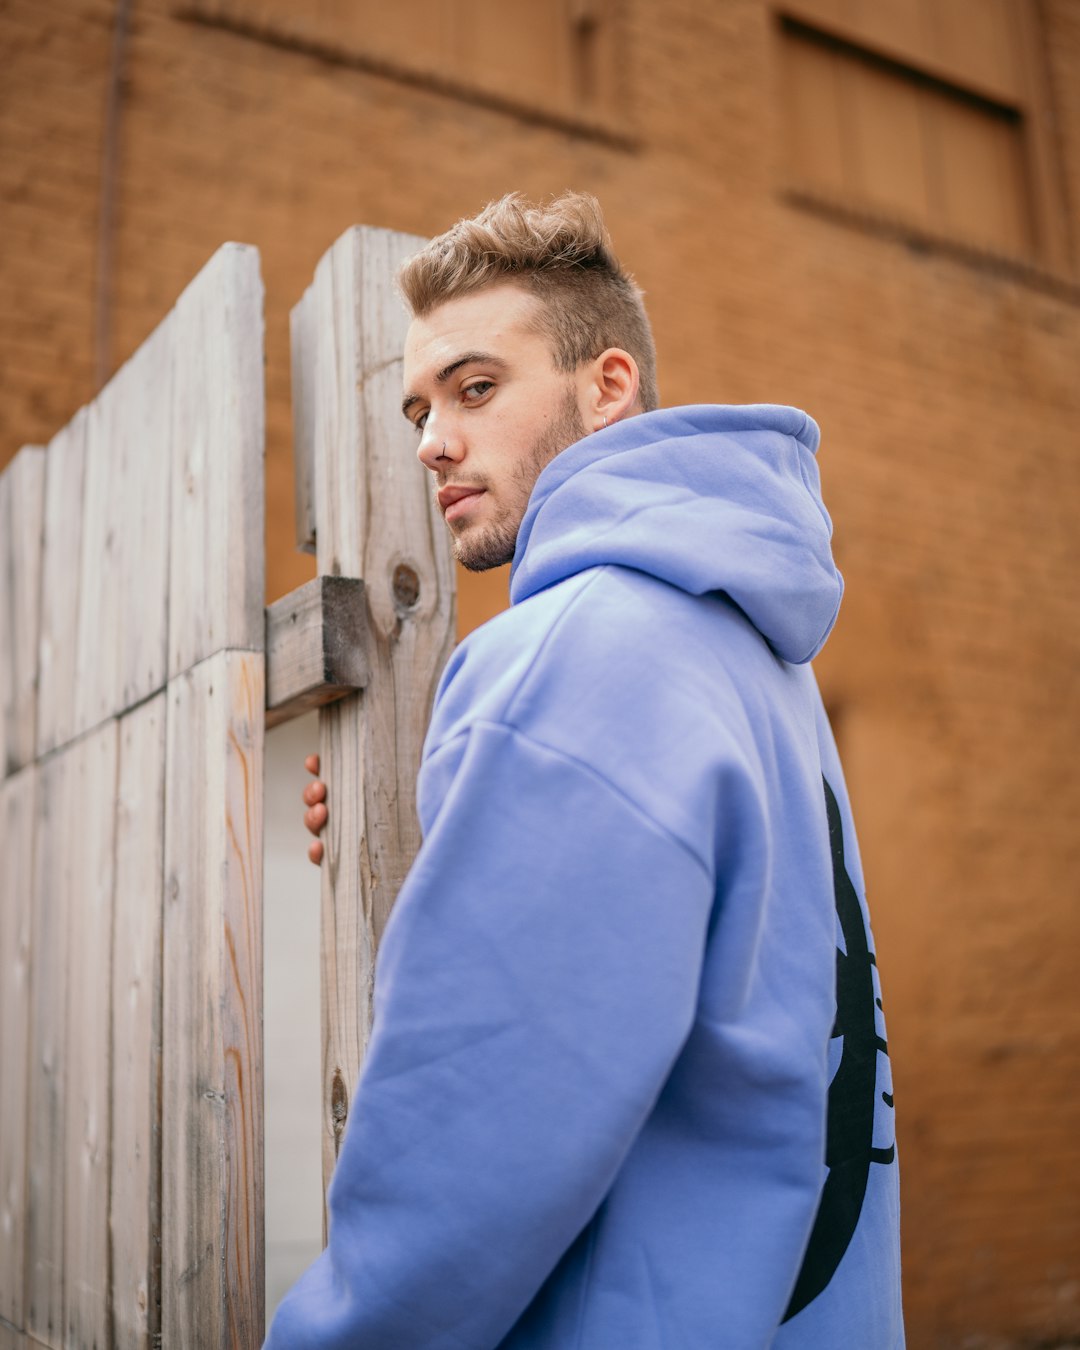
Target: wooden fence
{"x":138,"y":671}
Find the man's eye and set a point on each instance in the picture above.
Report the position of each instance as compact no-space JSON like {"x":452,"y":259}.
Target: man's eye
{"x":418,"y":422}
{"x":472,"y":392}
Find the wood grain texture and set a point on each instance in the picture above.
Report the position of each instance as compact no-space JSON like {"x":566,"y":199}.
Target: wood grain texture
{"x":97,"y":560}
{"x":10,"y":1339}
{"x":303,"y":403}
{"x":88,"y":834}
{"x":60,"y":578}
{"x":135,"y":1190}
{"x":22,"y":502}
{"x":18,"y":808}
{"x":124,"y":548}
{"x":217,"y":495}
{"x":68,"y":1159}
{"x":212,"y":1170}
{"x":54,"y":870}
{"x":316,"y":647}
{"x":375,"y":519}
{"x":84,"y":875}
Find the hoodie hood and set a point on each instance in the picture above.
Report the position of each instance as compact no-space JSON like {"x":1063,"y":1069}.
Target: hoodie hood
{"x":707,"y":498}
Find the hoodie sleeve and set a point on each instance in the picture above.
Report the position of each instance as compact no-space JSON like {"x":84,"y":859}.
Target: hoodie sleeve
{"x":536,"y":982}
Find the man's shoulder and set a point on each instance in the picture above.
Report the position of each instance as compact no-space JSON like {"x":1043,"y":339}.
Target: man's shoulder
{"x":606,"y":639}
{"x":489,"y":666}
{"x":605,"y":613}
{"x":637,"y":680}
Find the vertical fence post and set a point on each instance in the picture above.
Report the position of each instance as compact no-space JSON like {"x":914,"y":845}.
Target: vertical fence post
{"x":212,"y":1137}
{"x":374,"y":519}
{"x":22,"y":490}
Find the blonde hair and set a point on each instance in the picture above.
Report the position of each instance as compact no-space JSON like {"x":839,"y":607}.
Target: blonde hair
{"x":561,"y":253}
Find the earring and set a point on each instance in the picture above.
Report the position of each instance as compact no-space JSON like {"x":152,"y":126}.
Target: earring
{"x":605,"y":421}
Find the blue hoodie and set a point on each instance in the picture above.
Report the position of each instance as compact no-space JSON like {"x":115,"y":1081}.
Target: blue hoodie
{"x":628,"y":1086}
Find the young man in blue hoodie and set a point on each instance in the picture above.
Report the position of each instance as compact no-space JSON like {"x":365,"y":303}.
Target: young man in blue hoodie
{"x":628,"y":1086}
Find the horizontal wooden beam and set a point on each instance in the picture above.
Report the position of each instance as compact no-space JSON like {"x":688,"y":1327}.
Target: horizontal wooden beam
{"x":316,"y":647}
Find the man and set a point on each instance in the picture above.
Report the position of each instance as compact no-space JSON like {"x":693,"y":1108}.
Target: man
{"x":627,"y":1087}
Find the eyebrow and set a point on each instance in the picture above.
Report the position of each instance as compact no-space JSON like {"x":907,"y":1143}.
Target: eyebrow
{"x":441,"y":376}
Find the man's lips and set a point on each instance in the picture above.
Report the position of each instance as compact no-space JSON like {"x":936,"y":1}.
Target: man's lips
{"x":455,"y":501}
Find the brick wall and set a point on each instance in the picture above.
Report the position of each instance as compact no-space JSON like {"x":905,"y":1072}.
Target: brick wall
{"x":948,"y":396}
{"x":56,"y":64}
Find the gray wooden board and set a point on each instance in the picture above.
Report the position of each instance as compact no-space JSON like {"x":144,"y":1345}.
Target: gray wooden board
{"x":100,"y":603}
{"x":22,"y":500}
{"x":212,"y":1172}
{"x":68,"y":1157}
{"x":87,"y":834}
{"x":347,"y":925}
{"x":18,"y":807}
{"x":10,"y":1339}
{"x":64,"y":467}
{"x":375,"y":518}
{"x":54,"y":869}
{"x":300,"y":327}
{"x":316,"y":646}
{"x":135,"y":1189}
{"x":123,"y":605}
{"x":146,"y":429}
{"x":217,"y":435}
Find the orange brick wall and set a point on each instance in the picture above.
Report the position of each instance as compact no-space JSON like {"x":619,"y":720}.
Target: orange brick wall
{"x":55,"y":64}
{"x":949,"y":398}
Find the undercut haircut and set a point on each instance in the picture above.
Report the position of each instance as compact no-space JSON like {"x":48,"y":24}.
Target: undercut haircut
{"x":561,"y":253}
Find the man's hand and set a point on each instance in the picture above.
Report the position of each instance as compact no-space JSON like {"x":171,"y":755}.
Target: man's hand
{"x":315,"y":815}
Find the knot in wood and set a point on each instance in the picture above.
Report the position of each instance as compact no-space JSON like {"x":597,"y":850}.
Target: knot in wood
{"x":339,"y":1102}
{"x":406,"y":586}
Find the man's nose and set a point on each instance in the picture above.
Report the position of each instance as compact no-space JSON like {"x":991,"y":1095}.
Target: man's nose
{"x":439,"y":446}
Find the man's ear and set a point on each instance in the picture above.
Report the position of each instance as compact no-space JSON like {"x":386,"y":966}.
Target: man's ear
{"x":611,"y":391}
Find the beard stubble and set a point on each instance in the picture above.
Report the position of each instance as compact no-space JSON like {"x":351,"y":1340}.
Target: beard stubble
{"x":481,"y":549}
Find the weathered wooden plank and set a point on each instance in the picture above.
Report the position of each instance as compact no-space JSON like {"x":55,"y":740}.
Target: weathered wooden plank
{"x":100,"y":605}
{"x":55,"y":868}
{"x":22,"y":502}
{"x":375,"y":519}
{"x":147,"y":430}
{"x":88,"y":834}
{"x":217,"y":436}
{"x":122,"y":624}
{"x":18,"y":807}
{"x":303,"y":401}
{"x":60,"y":583}
{"x":135,"y":1147}
{"x":316,"y":640}
{"x":67,"y":1171}
{"x":12,"y":1339}
{"x":212,"y":1171}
